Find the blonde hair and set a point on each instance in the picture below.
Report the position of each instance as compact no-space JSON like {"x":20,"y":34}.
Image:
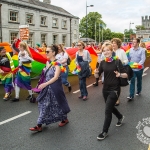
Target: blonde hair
{"x":62,"y":47}
{"x":107,"y":44}
{"x":142,"y":45}
{"x":82,"y":43}
{"x":25,"y":47}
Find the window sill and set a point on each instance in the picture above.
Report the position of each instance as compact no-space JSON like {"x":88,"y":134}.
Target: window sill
{"x":43,"y":26}
{"x":55,"y":27}
{"x":30,"y":24}
{"x":64,"y":28}
{"x":14,"y":22}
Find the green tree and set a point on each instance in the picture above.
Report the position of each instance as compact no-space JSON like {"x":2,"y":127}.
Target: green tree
{"x":127,"y":34}
{"x":117,"y":35}
{"x":139,"y":27}
{"x":94,"y":19}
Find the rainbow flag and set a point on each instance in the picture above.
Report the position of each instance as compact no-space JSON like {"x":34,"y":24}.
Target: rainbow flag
{"x":23,"y":79}
{"x":134,"y":65}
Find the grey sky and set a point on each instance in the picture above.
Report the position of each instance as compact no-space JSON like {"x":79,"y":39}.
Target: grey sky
{"x":117,"y":14}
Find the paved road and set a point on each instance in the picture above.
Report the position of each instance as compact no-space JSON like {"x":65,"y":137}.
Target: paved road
{"x":86,"y":121}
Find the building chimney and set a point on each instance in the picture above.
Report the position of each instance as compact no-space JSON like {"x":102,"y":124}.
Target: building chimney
{"x":47,"y":1}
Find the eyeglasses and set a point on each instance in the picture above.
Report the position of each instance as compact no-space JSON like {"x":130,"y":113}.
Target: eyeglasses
{"x":79,"y":45}
{"x":47,"y":52}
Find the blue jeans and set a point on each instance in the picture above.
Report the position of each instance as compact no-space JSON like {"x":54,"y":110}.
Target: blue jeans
{"x":82,"y":85}
{"x":138,"y":75}
{"x":64,"y":77}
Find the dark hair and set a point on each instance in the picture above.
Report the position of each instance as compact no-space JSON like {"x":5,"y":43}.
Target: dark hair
{"x":137,"y":39}
{"x":45,"y":44}
{"x":1,"y":48}
{"x":54,"y":48}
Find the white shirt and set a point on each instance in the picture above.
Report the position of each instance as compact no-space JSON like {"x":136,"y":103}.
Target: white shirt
{"x":122,"y":56}
{"x":61,"y":56}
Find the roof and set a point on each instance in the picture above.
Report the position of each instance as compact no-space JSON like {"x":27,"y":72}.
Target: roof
{"x":48,"y":6}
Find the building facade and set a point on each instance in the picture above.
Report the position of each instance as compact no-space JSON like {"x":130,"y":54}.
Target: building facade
{"x":144,"y":34}
{"x":47,"y":23}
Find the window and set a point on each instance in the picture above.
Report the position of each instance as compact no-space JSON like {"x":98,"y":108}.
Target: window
{"x":13,"y":16}
{"x":64,"y":39}
{"x":64,"y":24}
{"x":75,"y":34}
{"x":55,"y":23}
{"x":43,"y":21}
{"x":43,"y":38}
{"x":29,"y":18}
{"x":30,"y":40}
{"x":75,"y":22}
{"x":54,"y":39}
{"x":13,"y":36}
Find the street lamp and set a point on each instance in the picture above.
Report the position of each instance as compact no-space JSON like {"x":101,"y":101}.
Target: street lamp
{"x":86,"y":18}
{"x":130,"y":25}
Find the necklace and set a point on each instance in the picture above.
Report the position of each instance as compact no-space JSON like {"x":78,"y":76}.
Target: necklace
{"x":54,"y":63}
{"x":111,"y":59}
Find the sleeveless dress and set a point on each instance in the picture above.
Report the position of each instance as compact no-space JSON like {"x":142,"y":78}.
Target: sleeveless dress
{"x":52,"y":102}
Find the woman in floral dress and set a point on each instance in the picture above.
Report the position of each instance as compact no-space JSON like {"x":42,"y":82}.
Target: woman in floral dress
{"x":52,"y":103}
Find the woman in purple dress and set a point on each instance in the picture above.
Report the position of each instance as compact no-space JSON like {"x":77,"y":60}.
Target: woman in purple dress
{"x":52,"y":103}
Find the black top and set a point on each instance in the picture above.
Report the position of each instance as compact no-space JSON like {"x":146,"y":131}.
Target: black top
{"x":4,"y":61}
{"x":111,"y":82}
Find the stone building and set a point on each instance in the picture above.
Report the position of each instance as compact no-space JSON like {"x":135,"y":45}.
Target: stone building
{"x":47,"y":23}
{"x":144,"y":34}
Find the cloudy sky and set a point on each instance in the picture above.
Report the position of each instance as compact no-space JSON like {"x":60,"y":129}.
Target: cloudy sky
{"x":117,"y":14}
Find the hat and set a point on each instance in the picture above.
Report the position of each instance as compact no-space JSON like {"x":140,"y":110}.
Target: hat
{"x":38,"y":44}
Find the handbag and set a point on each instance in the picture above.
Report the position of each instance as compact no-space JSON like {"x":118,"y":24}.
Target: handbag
{"x":123,"y":81}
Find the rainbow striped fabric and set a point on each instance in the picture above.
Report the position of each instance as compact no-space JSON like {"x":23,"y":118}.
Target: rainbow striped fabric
{"x":7,"y":81}
{"x":23,"y":79}
{"x":134,"y":65}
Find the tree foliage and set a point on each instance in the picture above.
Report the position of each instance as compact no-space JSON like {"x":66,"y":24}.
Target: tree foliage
{"x":95,"y":23}
{"x":127,"y":33}
{"x":139,"y":27}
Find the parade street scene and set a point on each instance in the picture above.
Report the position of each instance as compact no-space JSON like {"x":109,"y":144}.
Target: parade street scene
{"x":74,"y":75}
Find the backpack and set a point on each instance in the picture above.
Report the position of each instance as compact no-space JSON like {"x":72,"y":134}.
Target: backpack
{"x":68,"y":61}
{"x":129,"y":71}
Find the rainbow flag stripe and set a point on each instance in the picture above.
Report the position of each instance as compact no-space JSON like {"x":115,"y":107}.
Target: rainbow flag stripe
{"x":7,"y":81}
{"x":23,"y":79}
{"x":134,"y":65}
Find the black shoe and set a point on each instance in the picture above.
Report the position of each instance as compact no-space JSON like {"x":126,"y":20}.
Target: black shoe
{"x":28,"y":98}
{"x":15,"y":100}
{"x":102,"y":136}
{"x":69,"y":88}
{"x":117,"y":104}
{"x":95,"y":84}
{"x":130,"y":98}
{"x":138,"y":94}
{"x":119,"y":123}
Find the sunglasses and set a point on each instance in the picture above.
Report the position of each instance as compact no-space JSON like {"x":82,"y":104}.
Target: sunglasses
{"x":79,"y":45}
{"x":47,"y":52}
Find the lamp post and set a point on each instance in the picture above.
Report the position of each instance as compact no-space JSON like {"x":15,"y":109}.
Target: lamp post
{"x":86,"y":18}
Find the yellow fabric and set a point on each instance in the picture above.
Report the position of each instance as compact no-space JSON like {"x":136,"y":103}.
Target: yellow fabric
{"x":11,"y":62}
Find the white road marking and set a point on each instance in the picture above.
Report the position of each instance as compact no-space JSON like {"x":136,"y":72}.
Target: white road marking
{"x":144,"y":74}
{"x":145,"y":69}
{"x":13,"y":118}
{"x":86,"y":86}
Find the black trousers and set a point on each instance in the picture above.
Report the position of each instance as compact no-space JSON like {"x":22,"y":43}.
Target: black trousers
{"x":110,"y":99}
